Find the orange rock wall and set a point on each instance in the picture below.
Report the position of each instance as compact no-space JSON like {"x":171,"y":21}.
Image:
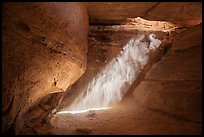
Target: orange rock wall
{"x":44,"y":51}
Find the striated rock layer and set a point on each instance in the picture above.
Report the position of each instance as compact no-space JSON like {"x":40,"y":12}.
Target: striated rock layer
{"x":174,"y":84}
{"x":181,"y":13}
{"x":44,"y":52}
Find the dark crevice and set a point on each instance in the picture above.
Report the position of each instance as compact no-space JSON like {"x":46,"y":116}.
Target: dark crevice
{"x":11,"y":129}
{"x":95,"y":22}
{"x":42,"y":107}
{"x":7,"y":111}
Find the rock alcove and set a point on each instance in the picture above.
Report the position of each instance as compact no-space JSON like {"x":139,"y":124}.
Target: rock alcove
{"x":53,"y":51}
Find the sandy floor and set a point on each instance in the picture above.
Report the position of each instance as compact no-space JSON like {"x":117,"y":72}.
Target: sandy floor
{"x":126,"y":118}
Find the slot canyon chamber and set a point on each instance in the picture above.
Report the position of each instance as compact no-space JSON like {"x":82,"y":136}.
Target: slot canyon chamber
{"x":142,"y":61}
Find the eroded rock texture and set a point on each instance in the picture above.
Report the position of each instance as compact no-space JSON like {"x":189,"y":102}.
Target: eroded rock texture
{"x":174,"y":84}
{"x":187,"y":13}
{"x":44,"y":51}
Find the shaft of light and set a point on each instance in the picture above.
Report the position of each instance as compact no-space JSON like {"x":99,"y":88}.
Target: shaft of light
{"x":109,"y":86}
{"x":81,"y":111}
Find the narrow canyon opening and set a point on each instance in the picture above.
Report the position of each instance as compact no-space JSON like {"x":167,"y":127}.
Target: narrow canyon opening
{"x":102,"y":68}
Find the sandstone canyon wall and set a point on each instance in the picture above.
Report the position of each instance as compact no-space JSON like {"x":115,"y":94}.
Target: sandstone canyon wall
{"x":188,"y":13}
{"x":44,"y":51}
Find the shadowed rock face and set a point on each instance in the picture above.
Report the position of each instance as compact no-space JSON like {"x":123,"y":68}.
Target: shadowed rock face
{"x":174,"y":85}
{"x":118,"y":12}
{"x":44,"y":51}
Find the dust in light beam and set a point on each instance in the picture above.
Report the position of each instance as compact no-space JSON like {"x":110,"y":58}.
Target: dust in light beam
{"x":109,"y":86}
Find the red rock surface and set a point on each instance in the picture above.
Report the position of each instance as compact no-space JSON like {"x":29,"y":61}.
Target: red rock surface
{"x":174,"y":84}
{"x":186,"y":13}
{"x":44,"y":51}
